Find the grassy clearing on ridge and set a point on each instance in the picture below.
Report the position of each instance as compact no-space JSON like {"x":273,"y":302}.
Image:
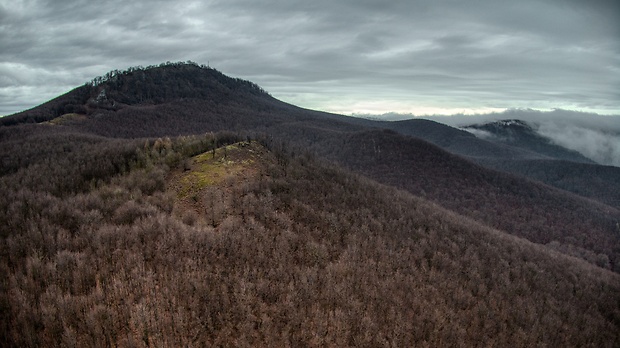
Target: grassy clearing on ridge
{"x":222,"y":168}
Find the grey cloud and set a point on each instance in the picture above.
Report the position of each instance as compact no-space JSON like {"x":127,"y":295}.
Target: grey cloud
{"x":319,"y":53}
{"x":596,"y":144}
{"x":480,"y":133}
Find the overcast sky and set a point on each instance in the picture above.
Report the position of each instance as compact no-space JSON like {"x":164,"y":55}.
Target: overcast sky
{"x":355,"y":56}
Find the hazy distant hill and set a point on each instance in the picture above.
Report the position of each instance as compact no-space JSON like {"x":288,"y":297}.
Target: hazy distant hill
{"x":563,"y":168}
{"x":598,"y":182}
{"x":520,"y":134}
{"x":518,"y":151}
{"x":459,"y":141}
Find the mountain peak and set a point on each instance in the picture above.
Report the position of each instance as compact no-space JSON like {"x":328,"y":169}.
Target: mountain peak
{"x":505,"y":127}
{"x":164,"y":83}
{"x":519,"y":133}
{"x":512,"y":123}
{"x":151,"y":85}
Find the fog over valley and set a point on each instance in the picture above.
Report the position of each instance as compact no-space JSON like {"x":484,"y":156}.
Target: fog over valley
{"x":595,"y":136}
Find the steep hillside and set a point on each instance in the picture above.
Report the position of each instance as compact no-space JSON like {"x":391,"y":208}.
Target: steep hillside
{"x":507,"y":202}
{"x":459,"y":141}
{"x":70,"y":102}
{"x":597,"y":182}
{"x":518,"y":150}
{"x":302,"y":254}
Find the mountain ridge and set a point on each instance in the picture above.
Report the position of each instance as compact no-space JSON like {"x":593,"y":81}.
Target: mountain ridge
{"x":522,"y":134}
{"x":238,"y":106}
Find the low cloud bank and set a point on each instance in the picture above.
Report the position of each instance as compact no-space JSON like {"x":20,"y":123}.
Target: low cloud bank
{"x":595,"y":136}
{"x":599,"y":145}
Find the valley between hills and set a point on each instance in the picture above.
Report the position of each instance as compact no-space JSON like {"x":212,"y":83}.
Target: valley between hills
{"x":175,"y":206}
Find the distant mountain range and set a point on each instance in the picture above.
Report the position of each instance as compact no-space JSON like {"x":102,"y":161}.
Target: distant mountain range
{"x":520,"y":134}
{"x":515,"y":147}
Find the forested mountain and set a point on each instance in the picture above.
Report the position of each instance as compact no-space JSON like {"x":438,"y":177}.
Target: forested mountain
{"x":198,"y":210}
{"x":522,"y":135}
{"x":513,"y":147}
{"x":142,"y":86}
{"x":597,"y":182}
{"x":459,"y":141}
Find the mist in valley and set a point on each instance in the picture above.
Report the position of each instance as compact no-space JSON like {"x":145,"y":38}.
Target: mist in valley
{"x":594,"y":136}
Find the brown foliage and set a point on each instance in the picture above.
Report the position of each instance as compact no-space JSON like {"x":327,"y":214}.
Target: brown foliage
{"x":95,"y":251}
{"x":316,"y":257}
{"x":524,"y":208}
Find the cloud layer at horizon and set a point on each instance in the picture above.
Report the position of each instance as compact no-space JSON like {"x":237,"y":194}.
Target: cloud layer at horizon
{"x":342,"y":56}
{"x":594,"y":136}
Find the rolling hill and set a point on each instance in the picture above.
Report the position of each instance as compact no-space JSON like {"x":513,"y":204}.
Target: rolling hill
{"x":517,"y":150}
{"x":520,"y":134}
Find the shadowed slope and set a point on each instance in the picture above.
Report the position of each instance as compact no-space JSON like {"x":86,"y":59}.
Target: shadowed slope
{"x":521,"y":152}
{"x":524,"y":208}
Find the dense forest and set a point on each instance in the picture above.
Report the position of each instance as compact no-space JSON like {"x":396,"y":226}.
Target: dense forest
{"x":299,"y":253}
{"x":225,"y":217}
{"x":534,"y":159}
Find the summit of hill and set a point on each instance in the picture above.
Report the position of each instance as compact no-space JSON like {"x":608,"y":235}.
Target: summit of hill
{"x":141,"y":86}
